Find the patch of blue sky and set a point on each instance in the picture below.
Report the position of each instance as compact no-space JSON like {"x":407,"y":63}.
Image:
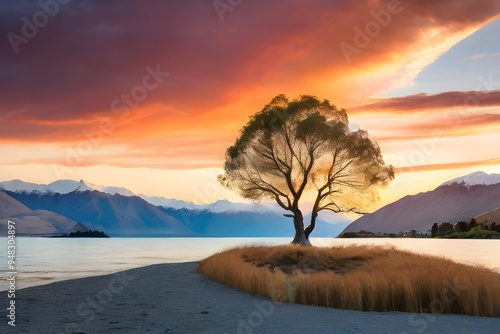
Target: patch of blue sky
{"x":462,"y":66}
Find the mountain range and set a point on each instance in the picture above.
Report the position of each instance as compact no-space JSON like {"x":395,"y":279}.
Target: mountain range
{"x":456,"y":200}
{"x":67,"y":186}
{"x":119,"y":212}
{"x":66,"y":205}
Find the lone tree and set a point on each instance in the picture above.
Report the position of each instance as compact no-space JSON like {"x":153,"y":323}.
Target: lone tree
{"x":293,"y":149}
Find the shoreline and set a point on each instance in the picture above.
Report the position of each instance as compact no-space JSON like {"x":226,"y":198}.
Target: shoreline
{"x":174,"y":298}
{"x":45,"y":263}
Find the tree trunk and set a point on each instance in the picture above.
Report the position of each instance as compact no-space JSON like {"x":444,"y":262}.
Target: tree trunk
{"x":311,"y":227}
{"x":300,"y":235}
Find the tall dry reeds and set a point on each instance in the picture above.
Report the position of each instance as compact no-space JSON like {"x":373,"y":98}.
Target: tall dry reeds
{"x":365,"y":278}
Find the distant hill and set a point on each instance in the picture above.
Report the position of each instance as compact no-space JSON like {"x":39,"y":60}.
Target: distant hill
{"x":489,"y":217}
{"x":455,"y":200}
{"x":67,"y":186}
{"x":34,"y":222}
{"x":116,"y":215}
{"x":247,"y":223}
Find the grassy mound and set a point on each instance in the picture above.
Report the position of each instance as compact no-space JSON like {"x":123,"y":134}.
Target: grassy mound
{"x":364,"y":278}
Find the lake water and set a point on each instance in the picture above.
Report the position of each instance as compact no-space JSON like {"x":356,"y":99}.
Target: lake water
{"x":45,"y":260}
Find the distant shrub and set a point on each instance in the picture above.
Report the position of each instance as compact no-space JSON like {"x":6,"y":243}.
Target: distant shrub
{"x":360,"y":234}
{"x":350,"y":235}
{"x":87,"y":234}
{"x":434,"y":229}
{"x":462,"y":226}
{"x":481,"y":234}
{"x":445,"y":228}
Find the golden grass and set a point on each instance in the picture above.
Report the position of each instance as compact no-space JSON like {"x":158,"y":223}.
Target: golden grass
{"x":364,"y":278}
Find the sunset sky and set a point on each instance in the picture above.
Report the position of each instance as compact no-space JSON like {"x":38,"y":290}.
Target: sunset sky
{"x":147,"y":95}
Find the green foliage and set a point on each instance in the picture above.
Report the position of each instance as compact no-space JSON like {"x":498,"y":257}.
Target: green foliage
{"x":462,"y":226}
{"x":481,"y":234}
{"x":463,"y":230}
{"x":445,"y":228}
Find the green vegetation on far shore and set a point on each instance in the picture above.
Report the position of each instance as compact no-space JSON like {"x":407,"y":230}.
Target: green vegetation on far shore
{"x":461,"y":230}
{"x":464,"y":230}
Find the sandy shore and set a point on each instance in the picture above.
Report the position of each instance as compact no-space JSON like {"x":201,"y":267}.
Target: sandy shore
{"x":174,"y":298}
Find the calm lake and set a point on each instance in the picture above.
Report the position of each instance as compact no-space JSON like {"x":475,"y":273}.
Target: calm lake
{"x":45,"y":260}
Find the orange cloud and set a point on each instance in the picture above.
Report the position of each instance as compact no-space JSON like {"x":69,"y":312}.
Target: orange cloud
{"x":444,"y":166}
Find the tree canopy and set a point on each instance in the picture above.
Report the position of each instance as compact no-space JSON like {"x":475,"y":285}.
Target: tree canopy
{"x":294,"y":147}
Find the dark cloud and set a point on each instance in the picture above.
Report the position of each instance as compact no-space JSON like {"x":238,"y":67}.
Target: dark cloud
{"x":424,"y":102}
{"x":460,"y":124}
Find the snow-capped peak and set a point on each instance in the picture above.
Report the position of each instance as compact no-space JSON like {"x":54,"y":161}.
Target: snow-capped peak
{"x":114,"y":190}
{"x":62,"y":187}
{"x":82,"y":186}
{"x":20,"y":186}
{"x":476,"y":178}
{"x":172,"y":203}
